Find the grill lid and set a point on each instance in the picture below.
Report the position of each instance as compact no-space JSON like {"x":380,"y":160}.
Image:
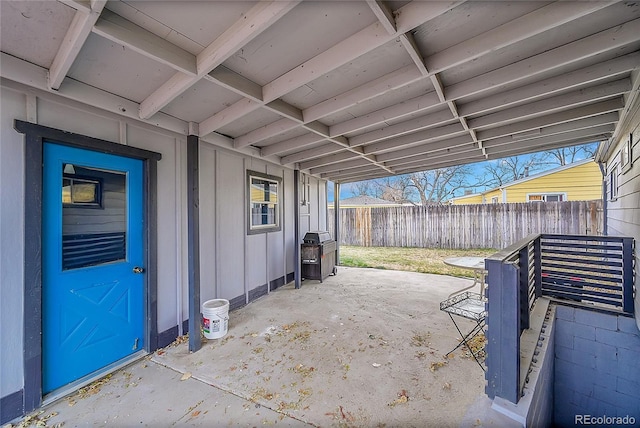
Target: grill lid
{"x":316,"y":237}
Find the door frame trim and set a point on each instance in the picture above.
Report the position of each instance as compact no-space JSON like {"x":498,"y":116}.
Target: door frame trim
{"x":35,"y":137}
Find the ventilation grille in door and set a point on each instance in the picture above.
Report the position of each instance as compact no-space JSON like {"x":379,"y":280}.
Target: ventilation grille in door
{"x":92,"y":249}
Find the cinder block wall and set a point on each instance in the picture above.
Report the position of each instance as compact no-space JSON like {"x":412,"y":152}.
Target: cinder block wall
{"x":597,"y":366}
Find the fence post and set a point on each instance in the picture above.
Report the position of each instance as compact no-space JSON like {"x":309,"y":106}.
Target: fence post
{"x":523,"y":285}
{"x":503,"y":331}
{"x":537,"y":266}
{"x":627,"y":275}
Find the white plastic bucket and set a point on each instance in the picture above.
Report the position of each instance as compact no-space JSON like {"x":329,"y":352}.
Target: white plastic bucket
{"x":215,"y":318}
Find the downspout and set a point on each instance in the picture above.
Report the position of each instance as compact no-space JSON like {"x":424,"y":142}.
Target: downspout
{"x":604,"y":200}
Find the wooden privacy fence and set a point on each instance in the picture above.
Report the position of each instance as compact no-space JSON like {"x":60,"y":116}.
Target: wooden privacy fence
{"x":465,"y":226}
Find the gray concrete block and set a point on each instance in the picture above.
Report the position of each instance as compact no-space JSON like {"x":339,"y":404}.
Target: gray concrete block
{"x":613,"y":397}
{"x":629,"y":387}
{"x":564,"y":333}
{"x":575,"y":378}
{"x":596,"y":319}
{"x":605,"y":379}
{"x":629,"y":360}
{"x":565,"y":312}
{"x":569,"y":355}
{"x":628,"y":325}
{"x":618,"y":339}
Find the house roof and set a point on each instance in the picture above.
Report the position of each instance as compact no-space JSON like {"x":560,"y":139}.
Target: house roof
{"x":363,"y":200}
{"x":361,"y":90}
{"x":531,"y":177}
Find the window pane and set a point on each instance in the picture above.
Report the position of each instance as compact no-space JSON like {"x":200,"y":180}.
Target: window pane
{"x":535,"y":197}
{"x":84,"y":192}
{"x":66,"y":191}
{"x":93,"y":233}
{"x":553,"y":198}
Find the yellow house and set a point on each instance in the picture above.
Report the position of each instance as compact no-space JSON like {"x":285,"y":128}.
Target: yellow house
{"x":579,"y":181}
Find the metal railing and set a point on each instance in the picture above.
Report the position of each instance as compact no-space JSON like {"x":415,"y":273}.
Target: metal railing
{"x":593,"y":272}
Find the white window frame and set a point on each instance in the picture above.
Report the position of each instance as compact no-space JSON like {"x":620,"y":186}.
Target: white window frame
{"x":613,"y":184}
{"x":626,"y":154}
{"x":494,"y":199}
{"x":545,"y":195}
{"x":254,"y":228}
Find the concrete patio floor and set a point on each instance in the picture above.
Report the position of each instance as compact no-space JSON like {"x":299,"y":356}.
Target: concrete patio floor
{"x":363,"y":349}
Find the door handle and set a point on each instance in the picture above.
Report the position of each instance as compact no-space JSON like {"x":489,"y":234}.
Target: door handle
{"x":138,"y":269}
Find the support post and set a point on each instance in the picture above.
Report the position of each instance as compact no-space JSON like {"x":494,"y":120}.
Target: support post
{"x":193,"y":244}
{"x":296,"y":227}
{"x":336,"y":219}
{"x":627,"y":275}
{"x":503,"y":331}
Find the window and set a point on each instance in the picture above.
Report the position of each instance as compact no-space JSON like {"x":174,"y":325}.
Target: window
{"x":546,"y":197}
{"x":264,"y":202}
{"x":626,"y":155}
{"x":613,"y":184}
{"x":494,"y":200}
{"x":79,"y":191}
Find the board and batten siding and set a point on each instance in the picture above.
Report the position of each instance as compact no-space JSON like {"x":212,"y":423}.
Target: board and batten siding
{"x":233,"y":264}
{"x":623,"y":212}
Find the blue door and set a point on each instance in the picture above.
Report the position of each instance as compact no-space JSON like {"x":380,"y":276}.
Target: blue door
{"x":93,"y":254}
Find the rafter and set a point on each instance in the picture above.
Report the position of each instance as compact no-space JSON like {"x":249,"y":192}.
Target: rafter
{"x":553,"y":119}
{"x":257,"y":19}
{"x":73,"y":41}
{"x":524,"y":27}
{"x":619,"y":36}
{"x":117,"y":29}
{"x":559,"y":102}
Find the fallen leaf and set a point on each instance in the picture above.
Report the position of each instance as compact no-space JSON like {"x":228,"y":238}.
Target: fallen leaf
{"x":194,"y":414}
{"x":446,"y":385}
{"x":186,"y":376}
{"x":376,"y":365}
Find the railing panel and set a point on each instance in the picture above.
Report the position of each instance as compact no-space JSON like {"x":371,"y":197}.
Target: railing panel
{"x":595,"y":272}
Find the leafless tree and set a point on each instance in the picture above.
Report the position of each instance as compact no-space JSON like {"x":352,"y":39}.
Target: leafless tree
{"x":568,"y":155}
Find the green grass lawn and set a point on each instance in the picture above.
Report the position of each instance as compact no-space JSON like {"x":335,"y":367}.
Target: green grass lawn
{"x":424,"y":260}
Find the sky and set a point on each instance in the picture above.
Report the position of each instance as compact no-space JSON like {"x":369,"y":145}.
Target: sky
{"x":477,"y":168}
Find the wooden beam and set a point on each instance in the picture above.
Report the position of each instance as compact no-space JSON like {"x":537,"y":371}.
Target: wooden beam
{"x":588,"y":122}
{"x":438,"y":118}
{"x":355,"y":172}
{"x":574,"y":79}
{"x":553,"y":119}
{"x":586,"y":47}
{"x":463,"y":140}
{"x":274,"y":128}
{"x":311,"y":153}
{"x":337,"y":166}
{"x":409,"y":107}
{"x":326,"y":160}
{"x":521,"y":28}
{"x":362,"y":42}
{"x":235,"y":82}
{"x":409,"y":44}
{"x":378,"y":87}
{"x":193,"y":241}
{"x":119,"y":30}
{"x":549,"y":105}
{"x":553,"y":138}
{"x":73,"y":41}
{"x":253,"y":23}
{"x":290,"y":144}
{"x":384,"y":15}
{"x":228,"y":115}
{"x":415,"y":138}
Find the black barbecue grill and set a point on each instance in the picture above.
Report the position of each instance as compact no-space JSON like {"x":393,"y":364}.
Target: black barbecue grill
{"x":318,"y":254}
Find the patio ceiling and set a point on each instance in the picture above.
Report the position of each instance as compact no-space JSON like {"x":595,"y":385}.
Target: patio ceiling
{"x":346,"y":90}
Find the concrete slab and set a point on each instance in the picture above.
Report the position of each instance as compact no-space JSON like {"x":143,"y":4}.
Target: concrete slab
{"x":357,"y":349}
{"x":363,"y":349}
